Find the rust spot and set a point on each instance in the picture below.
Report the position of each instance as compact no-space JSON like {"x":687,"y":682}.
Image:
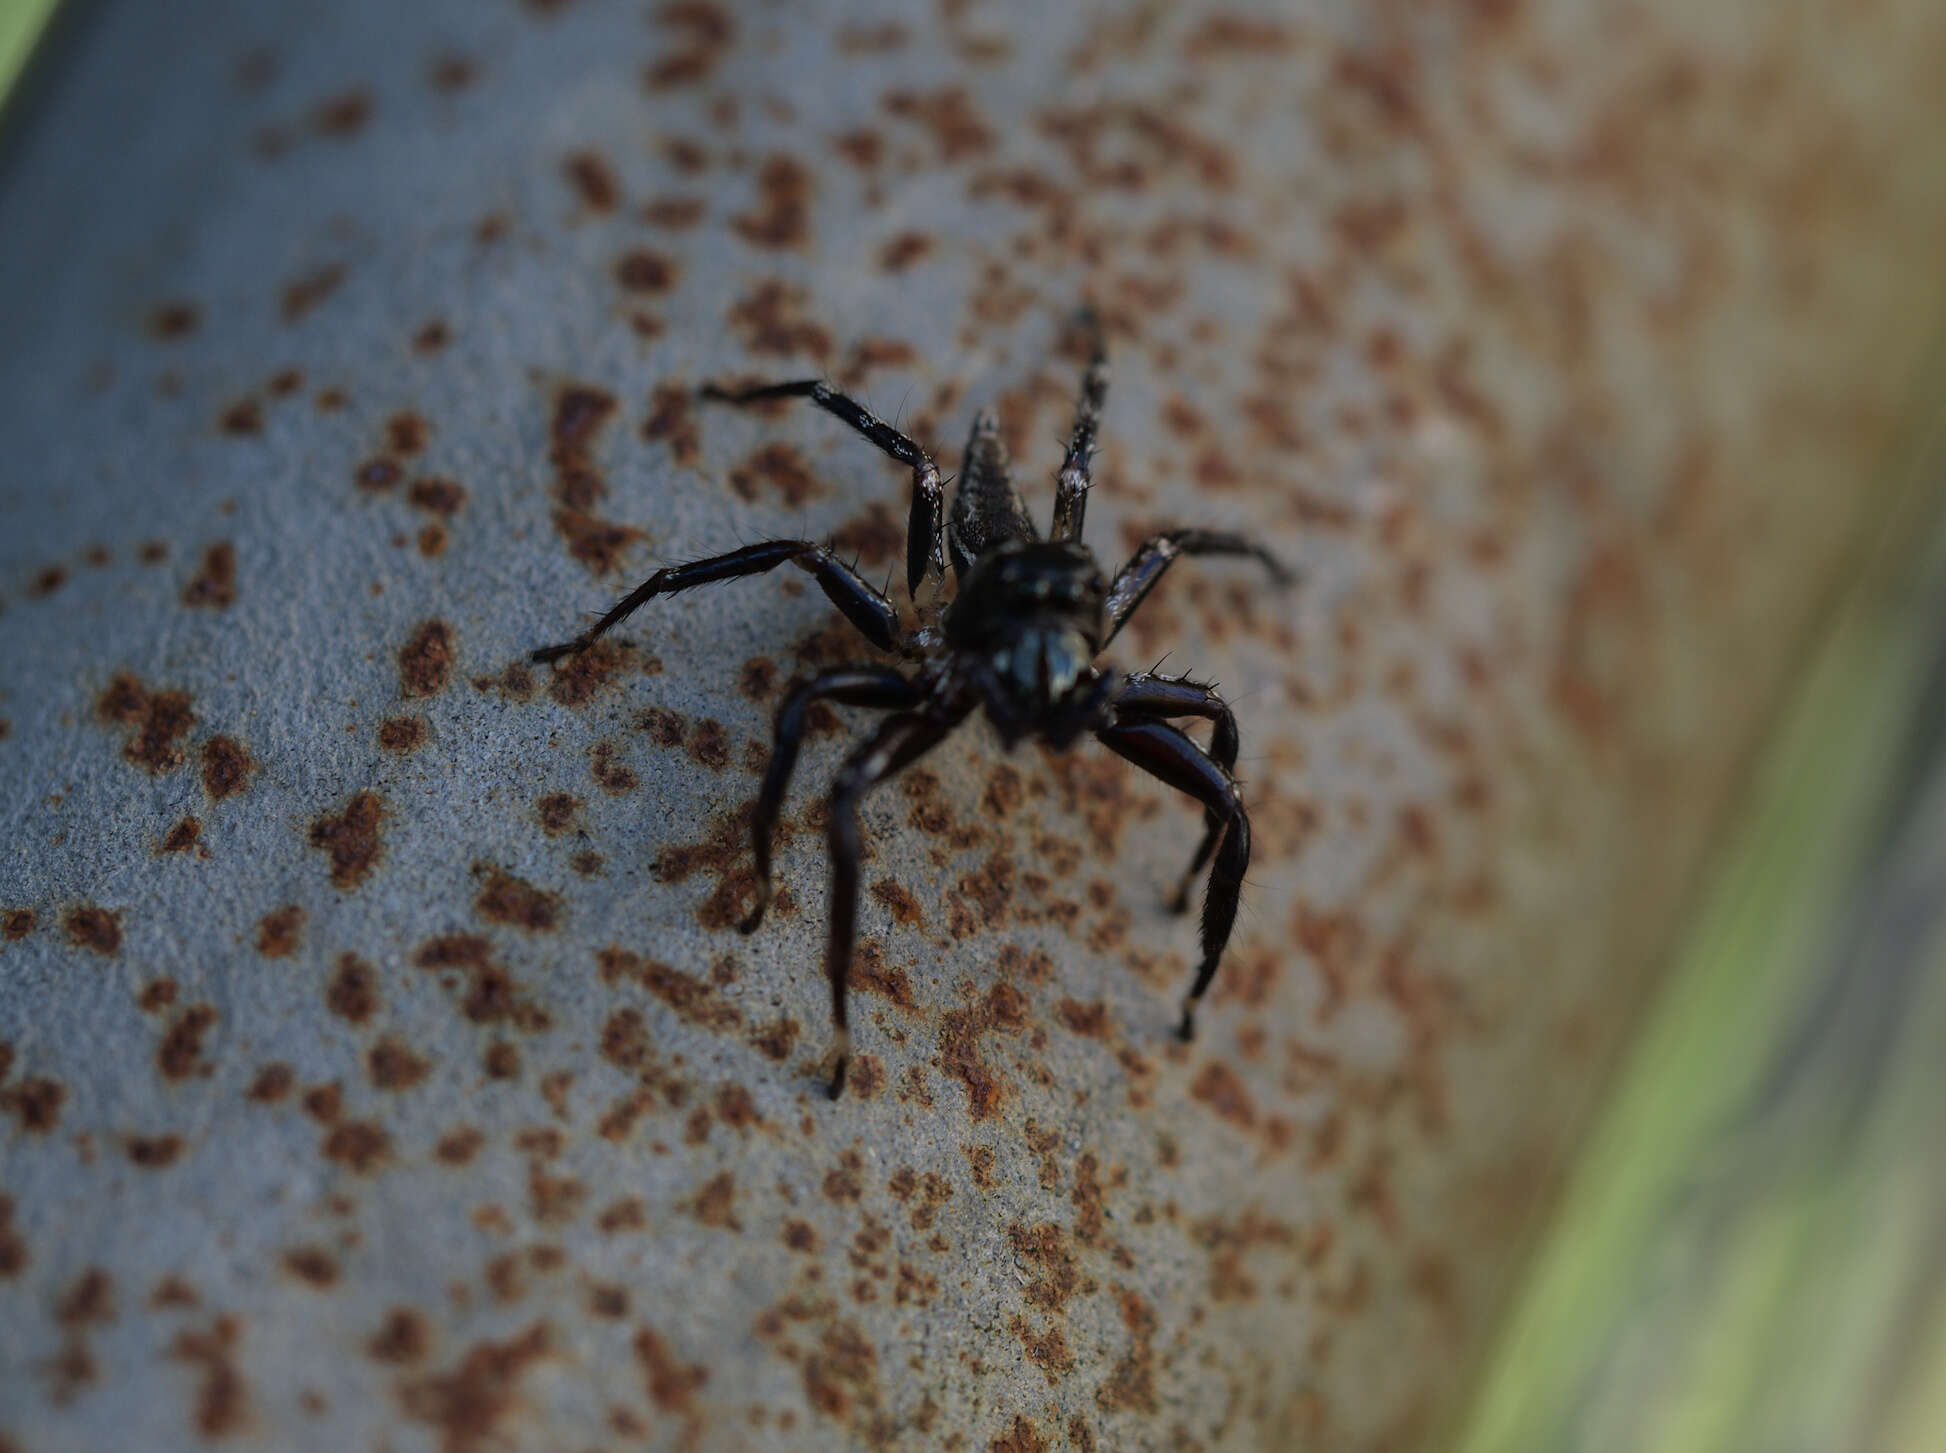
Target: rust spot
{"x":557,"y":811}
{"x":174,"y":320}
{"x":343,"y":116}
{"x":89,"y":1302}
{"x":709,"y":745}
{"x":48,"y":581}
{"x":351,"y":839}
{"x":1055,"y":1274}
{"x":13,"y":1250}
{"x":312,"y":1264}
{"x":779,"y":468}
{"x":672,"y":1385}
{"x":403,"y":1338}
{"x":506,"y":899}
{"x":17,"y":923}
{"x":442,"y":497}
{"x":95,"y":929}
{"x":402,"y":733}
{"x":158,"y":719}
{"x":672,"y":420}
{"x":960,"y":1031}
{"x":715,"y":1204}
{"x":278,"y":931}
{"x":844,"y":1367}
{"x":156,"y":995}
{"x":353,"y":991}
{"x":468,"y":1404}
{"x":215,"y":583}
{"x":243,"y":418}
{"x":458,"y":1147}
{"x":432,"y":336}
{"x":782,"y":217}
{"x":673,"y":213}
{"x":222,"y":1399}
{"x":1023,"y":1436}
{"x":306,"y":291}
{"x":273,"y":1082}
{"x":450,"y":72}
{"x":492,"y":996}
{"x":643,"y":271}
{"x":1219,"y":1088}
{"x":593,"y":180}
{"x":703,"y":33}
{"x":957,"y":128}
{"x":575,"y":679}
{"x":899,"y":252}
{"x":180,"y":1055}
{"x":35,"y":1103}
{"x":1089,"y":1020}
{"x":580,"y":411}
{"x":406,"y":433}
{"x":226,"y":767}
{"x":182,"y":837}
{"x":691,"y":998}
{"x":772,"y":320}
{"x":1131,"y":1386}
{"x":426,"y":660}
{"x":153,"y":1152}
{"x":358,"y":1145}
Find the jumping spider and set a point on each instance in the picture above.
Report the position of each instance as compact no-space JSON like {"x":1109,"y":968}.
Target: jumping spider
{"x":1019,"y":639}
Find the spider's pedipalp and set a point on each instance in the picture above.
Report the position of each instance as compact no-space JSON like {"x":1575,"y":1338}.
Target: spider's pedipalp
{"x":1157,"y":553}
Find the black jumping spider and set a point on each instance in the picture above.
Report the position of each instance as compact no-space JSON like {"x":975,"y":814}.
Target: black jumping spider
{"x":1019,"y":639}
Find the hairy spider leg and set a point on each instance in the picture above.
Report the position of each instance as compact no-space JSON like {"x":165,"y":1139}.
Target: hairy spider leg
{"x":925,"y":527}
{"x":875,"y":686}
{"x":1072,"y":484}
{"x":863,"y":606}
{"x":898,"y":742}
{"x":1144,"y":695}
{"x":1157,"y":553}
{"x":1165,"y":752}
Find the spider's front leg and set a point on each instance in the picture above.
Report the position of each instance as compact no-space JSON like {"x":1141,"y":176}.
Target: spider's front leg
{"x":897,"y":743}
{"x":1157,"y":553}
{"x":1165,"y":752}
{"x":1071,"y":486}
{"x":925,"y":528}
{"x":1143,"y":696}
{"x":863,"y":605}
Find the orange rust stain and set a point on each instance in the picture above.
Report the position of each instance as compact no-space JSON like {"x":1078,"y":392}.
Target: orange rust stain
{"x":779,"y":469}
{"x":226,"y":767}
{"x":358,"y":1145}
{"x":182,"y":837}
{"x":35,"y":1103}
{"x":305,"y":292}
{"x":469,"y":1405}
{"x":715,"y":1204}
{"x":352,"y":993}
{"x":280,"y":931}
{"x":158,"y":720}
{"x":426,"y":660}
{"x":671,"y":1384}
{"x":782,"y":216}
{"x":672,"y":420}
{"x":504,"y":898}
{"x":180,"y":1055}
{"x":222,"y":1398}
{"x":351,"y":839}
{"x":592,"y":180}
{"x":772,"y":319}
{"x":214,"y":584}
{"x":403,"y":1338}
{"x":402,"y":734}
{"x":1219,"y":1087}
{"x":960,"y":1031}
{"x":393,"y":1065}
{"x":95,"y":929}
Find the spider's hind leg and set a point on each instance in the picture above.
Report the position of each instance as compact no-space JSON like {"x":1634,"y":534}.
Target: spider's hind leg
{"x":899,"y":742}
{"x":874,"y":686}
{"x":1146,"y":696}
{"x":1163,"y":751}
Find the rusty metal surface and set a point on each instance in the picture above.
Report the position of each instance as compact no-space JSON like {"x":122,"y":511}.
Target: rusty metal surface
{"x":380,"y":1066}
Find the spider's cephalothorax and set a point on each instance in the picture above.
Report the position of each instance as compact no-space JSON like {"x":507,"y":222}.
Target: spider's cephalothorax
{"x":1019,"y":640}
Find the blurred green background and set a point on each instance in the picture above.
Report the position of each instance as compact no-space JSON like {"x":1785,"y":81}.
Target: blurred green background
{"x":1751,"y":1253}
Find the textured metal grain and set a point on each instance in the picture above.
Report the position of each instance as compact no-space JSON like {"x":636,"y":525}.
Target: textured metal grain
{"x":380,"y":1064}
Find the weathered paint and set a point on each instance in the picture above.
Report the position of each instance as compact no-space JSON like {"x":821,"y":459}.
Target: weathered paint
{"x":379,"y":1064}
